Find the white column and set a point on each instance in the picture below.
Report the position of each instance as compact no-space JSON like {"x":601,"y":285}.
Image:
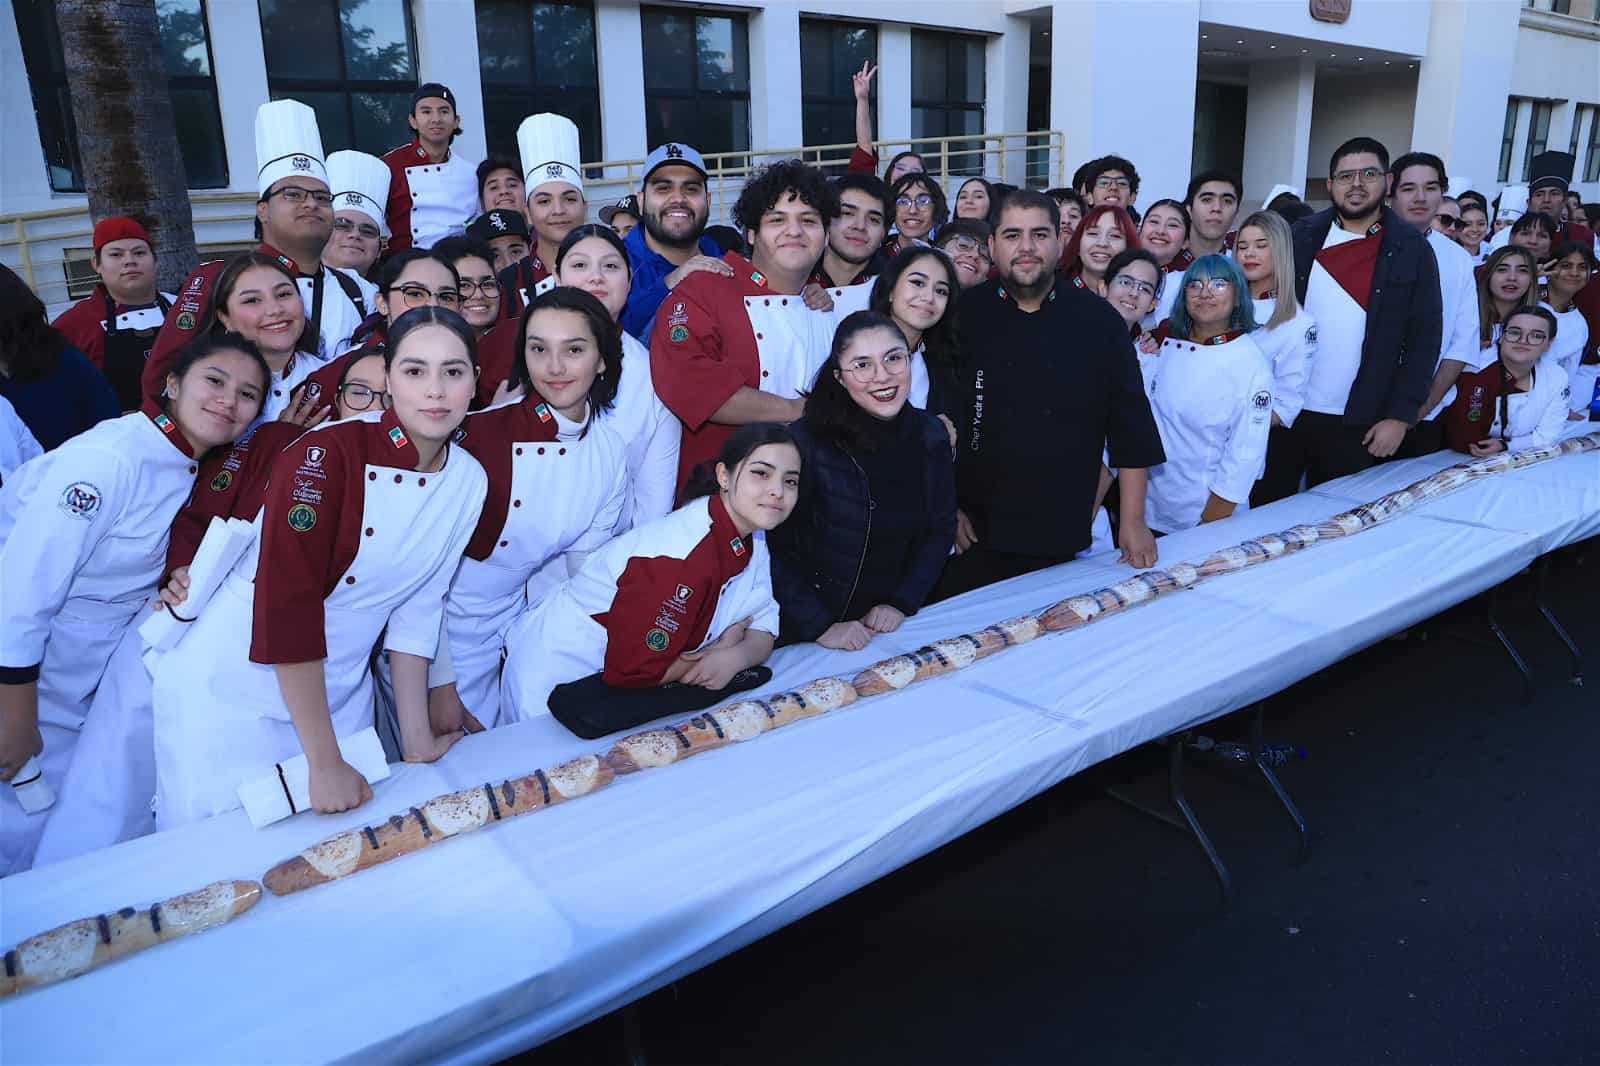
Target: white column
{"x":240,"y":65}
{"x":24,"y":181}
{"x":1005,"y":108}
{"x":894,"y":84}
{"x":775,"y":111}
{"x":1462,"y":86}
{"x":447,"y":52}
{"x":1122,"y":78}
{"x":1277,"y":134}
{"x":619,"y":43}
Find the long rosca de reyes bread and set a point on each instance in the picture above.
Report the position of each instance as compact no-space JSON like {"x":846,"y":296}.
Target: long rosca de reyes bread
{"x":438,"y":819}
{"x":944,"y":656}
{"x":89,"y":943}
{"x":729,"y":724}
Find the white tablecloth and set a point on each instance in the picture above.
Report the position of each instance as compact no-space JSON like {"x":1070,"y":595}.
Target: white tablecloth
{"x":504,"y":938}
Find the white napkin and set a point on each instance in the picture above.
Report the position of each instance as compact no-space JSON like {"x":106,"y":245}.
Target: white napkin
{"x":286,"y":790}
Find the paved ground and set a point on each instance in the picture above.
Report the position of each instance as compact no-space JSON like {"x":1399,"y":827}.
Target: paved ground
{"x":1450,"y":911}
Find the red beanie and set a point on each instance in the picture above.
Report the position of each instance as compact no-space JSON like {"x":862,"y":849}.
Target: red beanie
{"x":117,"y":228}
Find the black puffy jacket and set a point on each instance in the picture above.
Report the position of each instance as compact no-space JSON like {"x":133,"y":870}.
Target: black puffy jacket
{"x":818,"y":553}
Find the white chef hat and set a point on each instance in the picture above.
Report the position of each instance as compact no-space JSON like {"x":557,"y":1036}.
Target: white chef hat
{"x":360,"y":182}
{"x":1458,"y":185}
{"x":1513,"y":202}
{"x":287,"y":143}
{"x":548,"y":144}
{"x":1277,"y":191}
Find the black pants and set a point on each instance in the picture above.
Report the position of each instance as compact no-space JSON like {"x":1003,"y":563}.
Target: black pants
{"x":1424,"y":438}
{"x":1317,"y":447}
{"x":978,"y":566}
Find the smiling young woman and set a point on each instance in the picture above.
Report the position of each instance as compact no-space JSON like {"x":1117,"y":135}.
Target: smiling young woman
{"x":363,"y":528}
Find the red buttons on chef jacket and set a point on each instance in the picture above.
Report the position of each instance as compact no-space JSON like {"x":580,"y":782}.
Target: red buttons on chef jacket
{"x":519,"y":451}
{"x":372,"y":475}
{"x":397,"y":479}
{"x":516,"y":503}
{"x":369,"y":531}
{"x":421,"y":481}
{"x":759,"y":337}
{"x":349,"y":581}
{"x":561,"y":451}
{"x":541,"y":451}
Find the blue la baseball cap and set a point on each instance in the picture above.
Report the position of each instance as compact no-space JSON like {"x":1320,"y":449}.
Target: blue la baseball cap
{"x":674,"y":152}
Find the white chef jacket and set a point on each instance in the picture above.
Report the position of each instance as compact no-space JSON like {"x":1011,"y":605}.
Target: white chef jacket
{"x":1341,"y":331}
{"x":1458,"y":294}
{"x":17,"y":442}
{"x":650,"y":437}
{"x":1290,"y":348}
{"x":1566,"y":351}
{"x":852,"y":298}
{"x":561,"y":640}
{"x":1537,"y":416}
{"x":1213,"y":406}
{"x":83,"y":541}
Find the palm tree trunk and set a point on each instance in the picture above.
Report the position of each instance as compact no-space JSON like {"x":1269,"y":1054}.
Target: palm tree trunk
{"x":127,"y":136}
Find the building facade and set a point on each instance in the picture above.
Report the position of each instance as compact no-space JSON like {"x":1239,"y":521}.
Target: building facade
{"x":1257,"y":86}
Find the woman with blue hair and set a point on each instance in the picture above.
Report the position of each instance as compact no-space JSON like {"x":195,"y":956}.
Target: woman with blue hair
{"x":1210,"y":389}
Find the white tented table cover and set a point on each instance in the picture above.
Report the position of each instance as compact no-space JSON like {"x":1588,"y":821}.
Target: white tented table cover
{"x":504,"y":938}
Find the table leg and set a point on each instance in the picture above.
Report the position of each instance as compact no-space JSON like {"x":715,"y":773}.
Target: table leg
{"x":1541,"y":577}
{"x":1258,"y":747}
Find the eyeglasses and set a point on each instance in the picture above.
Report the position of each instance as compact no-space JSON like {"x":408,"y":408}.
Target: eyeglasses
{"x":1516,"y":335}
{"x":1366,"y":175}
{"x":366,"y":229}
{"x":360,"y":397}
{"x":1112,"y":183}
{"x":488,"y":286}
{"x":1218,"y":285}
{"x":966,"y":246}
{"x":421,"y":296}
{"x":921,"y":200}
{"x":1448,"y":221}
{"x":864,"y":369}
{"x":1144,"y":288}
{"x":294,"y":194}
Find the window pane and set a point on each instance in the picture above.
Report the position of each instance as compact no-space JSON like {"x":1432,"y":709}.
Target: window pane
{"x":563,"y":36}
{"x":927,"y":122}
{"x":183,"y":37}
{"x":377,"y":45}
{"x":504,"y":44}
{"x":816,"y":75}
{"x":333,"y":116}
{"x":972,"y":91}
{"x":711,"y":124}
{"x":927,"y":66}
{"x":200,"y":137}
{"x":722,"y":52}
{"x":668,"y":51}
{"x":505,"y":108}
{"x":1538,"y":135}
{"x":302,"y":40}
{"x":1507,"y":137}
{"x":1591,"y":164}
{"x":60,"y":140}
{"x":852,"y":46}
{"x":826,"y":122}
{"x":380,"y":121}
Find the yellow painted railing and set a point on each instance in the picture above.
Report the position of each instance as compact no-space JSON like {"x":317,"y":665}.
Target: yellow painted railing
{"x":50,"y":249}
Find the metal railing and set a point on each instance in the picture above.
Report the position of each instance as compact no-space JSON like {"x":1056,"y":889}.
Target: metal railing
{"x":50,"y":249}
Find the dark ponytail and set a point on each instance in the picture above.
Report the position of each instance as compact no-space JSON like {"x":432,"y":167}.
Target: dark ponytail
{"x":735,"y":450}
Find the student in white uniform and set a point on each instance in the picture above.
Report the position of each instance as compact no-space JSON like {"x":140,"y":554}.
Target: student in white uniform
{"x":1134,"y":283}
{"x":364,"y":525}
{"x":83,"y":539}
{"x":433,"y":192}
{"x":1572,"y":272}
{"x":918,"y":290}
{"x":594,"y":259}
{"x":1164,"y":233}
{"x":1520,"y":400}
{"x":1211,"y":392}
{"x":686,"y":598}
{"x":360,"y":185}
{"x":17,"y":443}
{"x":557,"y":484}
{"x":1287,"y":335}
{"x":256,"y":297}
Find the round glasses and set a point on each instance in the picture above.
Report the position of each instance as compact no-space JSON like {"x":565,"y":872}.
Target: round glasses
{"x":864,"y":369}
{"x":1133,"y":284}
{"x":366,"y":229}
{"x":488,"y":287}
{"x":1217,"y":285}
{"x":359,"y":397}
{"x":416,"y":295}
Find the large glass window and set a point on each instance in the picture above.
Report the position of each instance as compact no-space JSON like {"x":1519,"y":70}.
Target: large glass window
{"x":1508,"y":136}
{"x":831,"y":53}
{"x":696,"y":79}
{"x":538,"y":56}
{"x":1538,"y":135}
{"x":353,"y":62}
{"x":947,"y":86}
{"x":186,"y":53}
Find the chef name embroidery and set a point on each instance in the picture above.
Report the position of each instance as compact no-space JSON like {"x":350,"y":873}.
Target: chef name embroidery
{"x":673,"y":610}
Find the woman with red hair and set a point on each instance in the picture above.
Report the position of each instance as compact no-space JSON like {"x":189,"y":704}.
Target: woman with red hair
{"x":1104,"y":232}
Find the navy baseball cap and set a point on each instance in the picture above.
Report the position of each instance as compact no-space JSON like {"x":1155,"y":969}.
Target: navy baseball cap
{"x":673,"y":152}
{"x":498,"y":223}
{"x":628,"y":205}
{"x":433,"y":88}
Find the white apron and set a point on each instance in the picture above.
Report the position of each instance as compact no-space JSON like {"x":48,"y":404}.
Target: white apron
{"x":443,"y":197}
{"x":220,"y":719}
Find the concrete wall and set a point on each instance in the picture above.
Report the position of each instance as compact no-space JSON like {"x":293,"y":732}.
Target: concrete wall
{"x":1394,"y":25}
{"x":1371,"y":105}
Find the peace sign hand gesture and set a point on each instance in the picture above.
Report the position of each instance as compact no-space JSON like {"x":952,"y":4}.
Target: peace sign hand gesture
{"x":861,"y":81}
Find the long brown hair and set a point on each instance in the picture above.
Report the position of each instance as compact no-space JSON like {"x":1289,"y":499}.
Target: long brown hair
{"x":1487,"y":319}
